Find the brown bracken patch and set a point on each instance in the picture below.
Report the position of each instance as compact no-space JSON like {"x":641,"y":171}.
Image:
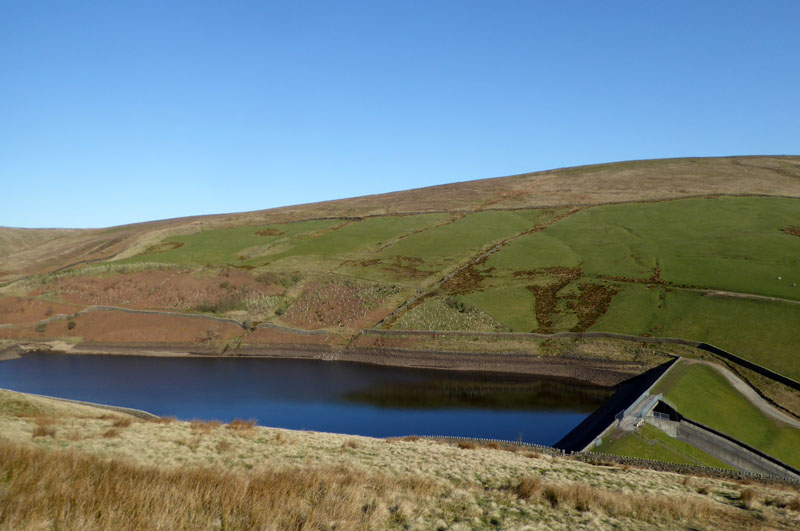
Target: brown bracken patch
{"x":794,"y":231}
{"x":547,"y":296}
{"x":123,"y":327}
{"x":339,"y":303}
{"x":592,"y":303}
{"x":363,"y":263}
{"x":157,"y":289}
{"x":407,"y":266}
{"x":160,"y":248}
{"x":270,"y":232}
{"x":466,"y":280}
{"x":17,"y":310}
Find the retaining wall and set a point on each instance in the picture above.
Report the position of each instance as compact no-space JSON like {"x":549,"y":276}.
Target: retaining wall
{"x":598,"y":422}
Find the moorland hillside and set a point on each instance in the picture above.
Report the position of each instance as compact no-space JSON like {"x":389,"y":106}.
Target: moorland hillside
{"x":702,"y":249}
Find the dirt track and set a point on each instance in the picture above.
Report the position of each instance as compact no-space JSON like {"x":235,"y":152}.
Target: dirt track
{"x":737,"y":295}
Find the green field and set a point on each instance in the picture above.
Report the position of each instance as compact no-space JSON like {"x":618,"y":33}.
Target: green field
{"x":433,"y":252}
{"x":702,"y":394}
{"x":651,"y":443}
{"x":762,"y":331}
{"x":511,"y":305}
{"x":352,"y":240}
{"x":225,"y":246}
{"x":733,"y":244}
{"x":633,"y":268}
{"x":458,"y":240}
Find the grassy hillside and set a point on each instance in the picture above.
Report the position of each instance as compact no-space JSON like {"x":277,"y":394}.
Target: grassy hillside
{"x":702,"y":249}
{"x":586,"y":185}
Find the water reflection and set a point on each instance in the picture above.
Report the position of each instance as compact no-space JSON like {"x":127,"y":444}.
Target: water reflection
{"x":471,"y":392}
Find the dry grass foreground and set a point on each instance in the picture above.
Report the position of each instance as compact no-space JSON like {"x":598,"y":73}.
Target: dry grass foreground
{"x":79,"y":467}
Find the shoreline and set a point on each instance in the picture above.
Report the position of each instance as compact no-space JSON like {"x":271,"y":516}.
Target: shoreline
{"x":593,"y":371}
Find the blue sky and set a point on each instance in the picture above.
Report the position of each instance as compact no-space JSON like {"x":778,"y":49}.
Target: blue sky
{"x":118,"y":112}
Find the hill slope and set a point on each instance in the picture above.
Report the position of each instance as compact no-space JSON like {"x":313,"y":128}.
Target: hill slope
{"x":586,"y":185}
{"x":701,"y":249}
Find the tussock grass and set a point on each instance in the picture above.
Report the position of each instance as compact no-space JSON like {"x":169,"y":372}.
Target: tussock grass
{"x":59,"y":489}
{"x":795,"y":503}
{"x":747,"y":497}
{"x":224,"y":447}
{"x":123,"y":422}
{"x":241,"y":425}
{"x":44,"y":431}
{"x":163,"y":420}
{"x":204,"y":426}
{"x":44,"y":420}
{"x":639,"y":506}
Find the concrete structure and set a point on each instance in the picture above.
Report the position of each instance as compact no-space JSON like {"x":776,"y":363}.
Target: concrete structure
{"x":629,"y":418}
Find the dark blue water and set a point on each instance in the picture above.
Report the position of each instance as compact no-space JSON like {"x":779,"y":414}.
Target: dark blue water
{"x":315,"y":395}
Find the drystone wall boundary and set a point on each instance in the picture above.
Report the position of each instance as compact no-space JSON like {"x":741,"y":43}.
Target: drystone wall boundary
{"x":763,"y":371}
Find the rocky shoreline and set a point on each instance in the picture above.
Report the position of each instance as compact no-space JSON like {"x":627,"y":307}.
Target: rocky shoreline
{"x":579,"y":369}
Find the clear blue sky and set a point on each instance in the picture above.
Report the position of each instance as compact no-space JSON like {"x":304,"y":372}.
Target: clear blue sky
{"x":117,"y":112}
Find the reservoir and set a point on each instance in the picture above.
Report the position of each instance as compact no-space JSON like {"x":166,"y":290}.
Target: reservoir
{"x":341,"y":397}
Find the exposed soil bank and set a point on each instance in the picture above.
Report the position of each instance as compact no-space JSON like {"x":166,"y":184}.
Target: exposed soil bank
{"x":587,"y":370}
